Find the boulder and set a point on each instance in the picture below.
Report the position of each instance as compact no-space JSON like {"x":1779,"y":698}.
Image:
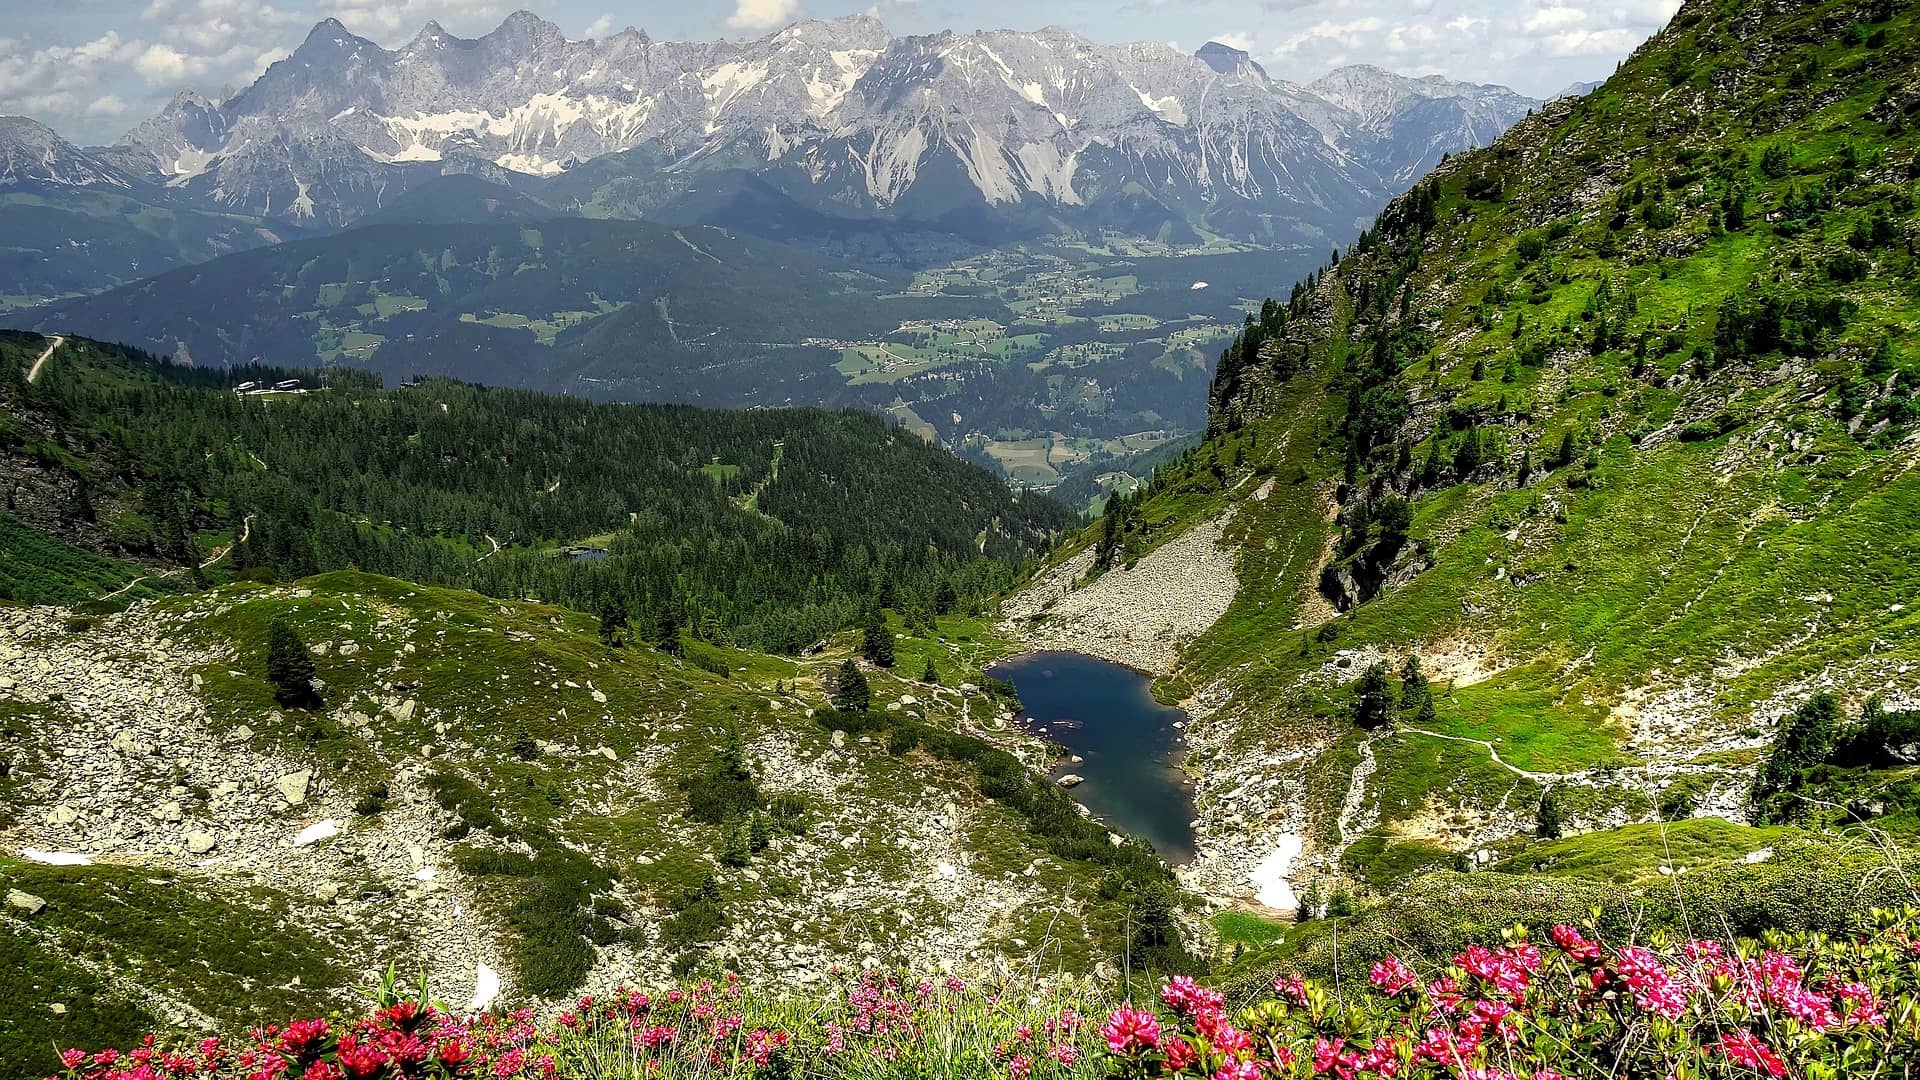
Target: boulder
{"x":199,"y":843}
{"x":1071,"y":780}
{"x":25,"y":902}
{"x":293,"y":786}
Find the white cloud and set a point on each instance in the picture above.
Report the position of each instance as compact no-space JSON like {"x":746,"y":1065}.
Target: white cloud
{"x":59,"y":80}
{"x":1235,"y":39}
{"x":763,"y":14}
{"x":1553,"y":17}
{"x":164,"y":65}
{"x":600,"y":27}
{"x":1327,"y":35}
{"x":110,"y":105}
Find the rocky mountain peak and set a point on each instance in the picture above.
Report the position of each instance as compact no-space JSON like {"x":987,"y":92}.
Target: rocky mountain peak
{"x":525,"y":28}
{"x":1018,"y":116}
{"x":1228,"y":60}
{"x":32,"y":153}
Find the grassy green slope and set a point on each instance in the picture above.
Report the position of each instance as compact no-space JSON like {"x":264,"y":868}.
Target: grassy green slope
{"x":1698,"y":281}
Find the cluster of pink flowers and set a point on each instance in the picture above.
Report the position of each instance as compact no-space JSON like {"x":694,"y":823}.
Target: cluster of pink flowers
{"x":1516,"y":1010}
{"x":409,"y":1040}
{"x":1520,"y":1010}
{"x":403,"y":1040}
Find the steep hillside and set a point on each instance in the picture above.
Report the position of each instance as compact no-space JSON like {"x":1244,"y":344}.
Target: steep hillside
{"x":1610,"y":426}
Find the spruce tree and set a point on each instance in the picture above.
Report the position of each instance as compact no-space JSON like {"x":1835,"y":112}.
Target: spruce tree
{"x":1375,"y":705}
{"x":289,"y":665}
{"x":613,"y":620}
{"x":1416,"y":695}
{"x":666,"y":635}
{"x":1547,"y":825}
{"x":850,"y":690}
{"x":735,"y":851}
{"x":930,"y":676}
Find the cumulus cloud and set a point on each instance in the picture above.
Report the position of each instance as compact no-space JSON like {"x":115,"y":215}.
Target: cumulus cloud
{"x":54,"y":81}
{"x":763,"y":14}
{"x":164,"y":65}
{"x":600,"y":27}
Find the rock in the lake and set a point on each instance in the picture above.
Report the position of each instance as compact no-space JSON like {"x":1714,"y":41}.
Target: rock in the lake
{"x":1072,"y":780}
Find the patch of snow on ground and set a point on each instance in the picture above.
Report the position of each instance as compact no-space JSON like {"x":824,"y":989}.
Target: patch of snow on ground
{"x":1270,"y":877}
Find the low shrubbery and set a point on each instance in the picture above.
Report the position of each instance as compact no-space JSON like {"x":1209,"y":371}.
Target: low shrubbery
{"x":1569,"y":1005}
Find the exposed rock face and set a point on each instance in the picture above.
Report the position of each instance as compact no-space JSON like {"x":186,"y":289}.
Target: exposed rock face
{"x":841,"y":114}
{"x":1141,"y":617}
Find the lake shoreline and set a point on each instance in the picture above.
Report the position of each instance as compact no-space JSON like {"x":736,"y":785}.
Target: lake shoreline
{"x":1131,"y":747}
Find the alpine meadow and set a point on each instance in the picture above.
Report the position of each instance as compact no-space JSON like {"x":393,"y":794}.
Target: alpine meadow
{"x":849,"y":551}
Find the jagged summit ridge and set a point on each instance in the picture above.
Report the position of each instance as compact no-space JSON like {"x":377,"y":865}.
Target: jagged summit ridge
{"x":1046,"y":116}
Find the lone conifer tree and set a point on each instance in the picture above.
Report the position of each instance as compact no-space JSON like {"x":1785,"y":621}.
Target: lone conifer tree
{"x":1547,"y":826}
{"x":850,"y":690}
{"x":1416,"y":696}
{"x":613,"y":620}
{"x":289,"y":665}
{"x":667,"y":635}
{"x":1375,"y":706}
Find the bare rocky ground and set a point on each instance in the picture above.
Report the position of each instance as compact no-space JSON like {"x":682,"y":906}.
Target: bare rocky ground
{"x":123,"y":767}
{"x":1140,"y":616}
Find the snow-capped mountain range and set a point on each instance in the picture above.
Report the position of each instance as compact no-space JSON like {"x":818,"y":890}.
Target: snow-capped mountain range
{"x":843,"y":118}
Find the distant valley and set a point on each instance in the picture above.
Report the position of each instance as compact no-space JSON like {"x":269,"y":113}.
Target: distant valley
{"x":813,"y":217}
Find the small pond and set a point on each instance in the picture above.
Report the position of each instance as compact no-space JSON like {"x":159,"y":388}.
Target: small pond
{"x":1130,"y":750}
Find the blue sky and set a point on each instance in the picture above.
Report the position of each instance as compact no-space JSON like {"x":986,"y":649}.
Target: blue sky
{"x":94,"y":68}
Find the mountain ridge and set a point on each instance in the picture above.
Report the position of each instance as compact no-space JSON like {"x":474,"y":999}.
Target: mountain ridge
{"x":843,"y":104}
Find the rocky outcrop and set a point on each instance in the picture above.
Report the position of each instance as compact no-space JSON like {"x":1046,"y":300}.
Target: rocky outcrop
{"x":1140,"y":616}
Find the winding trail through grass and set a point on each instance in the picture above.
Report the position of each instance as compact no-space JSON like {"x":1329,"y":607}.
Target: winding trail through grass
{"x":1538,"y":777}
{"x":33,"y":373}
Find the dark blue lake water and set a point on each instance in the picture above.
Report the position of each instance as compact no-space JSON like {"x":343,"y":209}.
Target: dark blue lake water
{"x":1103,"y":712}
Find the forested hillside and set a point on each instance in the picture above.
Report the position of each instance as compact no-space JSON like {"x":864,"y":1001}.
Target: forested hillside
{"x":1587,"y":468}
{"x":767,"y":528}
